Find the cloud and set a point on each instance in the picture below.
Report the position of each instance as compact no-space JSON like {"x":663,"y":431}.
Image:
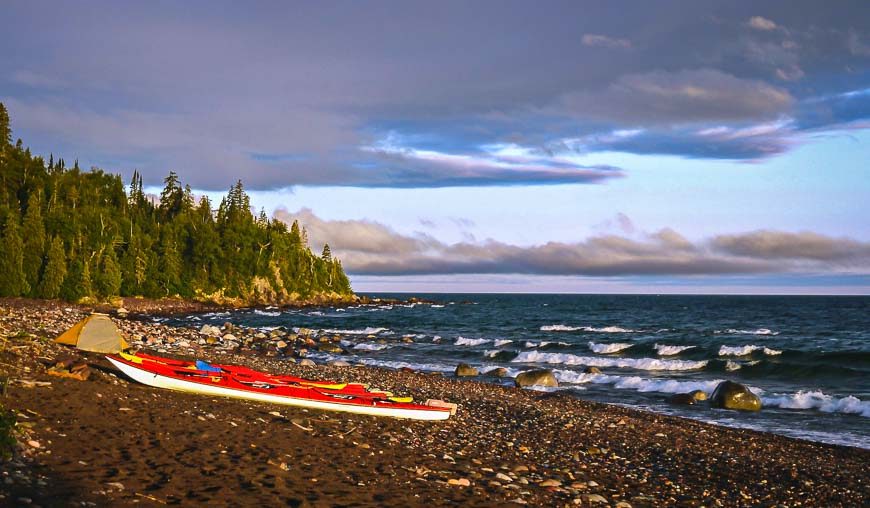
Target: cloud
{"x":761,"y":23}
{"x":605,"y":41}
{"x":370,"y":248}
{"x":686,"y":96}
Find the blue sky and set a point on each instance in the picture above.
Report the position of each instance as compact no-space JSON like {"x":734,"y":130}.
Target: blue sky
{"x":491,"y":146}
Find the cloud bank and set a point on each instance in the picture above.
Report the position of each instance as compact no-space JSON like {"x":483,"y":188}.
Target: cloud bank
{"x":370,"y":248}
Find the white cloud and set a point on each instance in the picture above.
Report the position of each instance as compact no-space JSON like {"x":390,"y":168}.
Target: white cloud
{"x":605,"y":41}
{"x":761,"y":23}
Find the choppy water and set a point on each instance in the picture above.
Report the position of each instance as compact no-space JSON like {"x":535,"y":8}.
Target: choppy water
{"x":808,"y":358}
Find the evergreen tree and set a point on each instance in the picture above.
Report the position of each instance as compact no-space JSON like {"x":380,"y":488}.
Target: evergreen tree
{"x":109,"y":278}
{"x":12,"y":279}
{"x":5,"y":128}
{"x":326,"y":256}
{"x":34,"y":243}
{"x":55,"y":270}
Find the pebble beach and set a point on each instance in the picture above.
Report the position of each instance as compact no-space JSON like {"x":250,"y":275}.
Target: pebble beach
{"x":107,"y":441}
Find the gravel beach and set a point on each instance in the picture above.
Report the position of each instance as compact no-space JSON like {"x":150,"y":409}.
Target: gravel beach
{"x":108,"y":441}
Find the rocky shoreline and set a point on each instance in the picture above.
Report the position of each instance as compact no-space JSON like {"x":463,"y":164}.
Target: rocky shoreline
{"x":107,"y":441}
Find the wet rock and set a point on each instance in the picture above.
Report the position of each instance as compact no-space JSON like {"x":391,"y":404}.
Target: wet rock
{"x":699,"y":394}
{"x":305,"y":362}
{"x":731,"y":395}
{"x":540,"y":377}
{"x":592,"y":370}
{"x":230,"y":336}
{"x":459,"y":482}
{"x":681,"y":399}
{"x":594,"y":498}
{"x":464,"y":370}
{"x":210,"y":330}
{"x":339,"y":363}
{"x":551,"y":482}
{"x":496,"y":372}
{"x":329,"y":347}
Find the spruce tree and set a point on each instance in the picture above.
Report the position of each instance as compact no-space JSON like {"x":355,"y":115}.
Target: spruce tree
{"x":34,"y":243}
{"x":109,"y":278}
{"x":55,"y":270}
{"x":12,"y":279}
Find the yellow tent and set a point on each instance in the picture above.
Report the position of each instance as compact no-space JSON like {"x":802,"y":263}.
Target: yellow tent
{"x":95,"y":333}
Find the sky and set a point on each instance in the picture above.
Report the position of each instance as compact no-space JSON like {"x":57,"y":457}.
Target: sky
{"x":565,"y":146}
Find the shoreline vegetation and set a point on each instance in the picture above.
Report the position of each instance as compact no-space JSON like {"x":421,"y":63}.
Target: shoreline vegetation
{"x":107,"y":441}
{"x":82,"y":237}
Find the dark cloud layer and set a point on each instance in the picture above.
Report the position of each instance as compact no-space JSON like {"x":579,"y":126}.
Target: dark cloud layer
{"x":307,"y":93}
{"x":370,"y":248}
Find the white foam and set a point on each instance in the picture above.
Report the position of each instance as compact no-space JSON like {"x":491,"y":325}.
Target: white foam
{"x":566,"y":328}
{"x":732,"y":366}
{"x":760,"y":331}
{"x":636,"y":383}
{"x":429,"y":367}
{"x":501,"y":342}
{"x":665,"y":350}
{"x":368,"y":346}
{"x":266,"y":313}
{"x":436,"y":306}
{"x":608,"y":348}
{"x":365,"y":331}
{"x":632,"y":363}
{"x":820,"y":401}
{"x":462,"y":341}
{"x":746,"y":350}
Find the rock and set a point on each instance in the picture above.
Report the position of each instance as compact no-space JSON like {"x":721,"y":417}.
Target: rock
{"x":305,"y":362}
{"x":731,"y":395}
{"x":681,"y":399}
{"x":622,"y":504}
{"x":464,"y":370}
{"x":210,"y":330}
{"x":592,"y":370}
{"x":328,"y":347}
{"x":339,"y":363}
{"x":699,"y":394}
{"x":122,"y":312}
{"x":496,"y":372}
{"x":34,"y":444}
{"x":503,"y":478}
{"x":211,"y":340}
{"x":540,"y":377}
{"x":594,"y":498}
{"x":407,"y":340}
{"x":551,"y":482}
{"x":230,"y":336}
{"x":280,"y":344}
{"x":460,"y":482}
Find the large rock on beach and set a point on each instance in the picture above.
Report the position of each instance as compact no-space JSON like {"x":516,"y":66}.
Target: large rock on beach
{"x":465,"y":370}
{"x":540,"y":377}
{"x":496,"y":372}
{"x":329,"y":347}
{"x":731,"y":395}
{"x":681,"y":399}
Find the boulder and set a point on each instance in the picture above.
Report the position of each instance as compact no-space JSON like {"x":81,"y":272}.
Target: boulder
{"x":305,"y":362}
{"x":329,"y":347}
{"x":496,"y":372}
{"x":592,"y":370}
{"x":699,"y":394}
{"x":463,"y":370}
{"x":540,"y":377}
{"x":731,"y":395}
{"x":682,"y":399}
{"x":338,"y":363}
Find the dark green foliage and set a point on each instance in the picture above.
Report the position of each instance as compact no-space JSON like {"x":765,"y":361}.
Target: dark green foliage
{"x":107,"y":241}
{"x":8,"y":428}
{"x":55,"y":270}
{"x":12,"y":279}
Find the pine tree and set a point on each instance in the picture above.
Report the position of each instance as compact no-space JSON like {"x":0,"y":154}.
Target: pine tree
{"x":34,"y":243}
{"x":55,"y":270}
{"x":109,"y":278}
{"x":12,"y":279}
{"x":5,"y":128}
{"x":326,"y":256}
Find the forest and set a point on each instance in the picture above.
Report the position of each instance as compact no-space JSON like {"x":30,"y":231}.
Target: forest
{"x":83,"y":236}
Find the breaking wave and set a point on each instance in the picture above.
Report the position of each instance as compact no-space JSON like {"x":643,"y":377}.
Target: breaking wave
{"x":820,"y":401}
{"x":760,"y":331}
{"x":665,"y":350}
{"x":746,"y":350}
{"x":566,"y":328}
{"x":368,"y":346}
{"x":365,"y":331}
{"x":636,"y":383}
{"x":462,"y":341}
{"x":608,"y":348}
{"x":632,"y":363}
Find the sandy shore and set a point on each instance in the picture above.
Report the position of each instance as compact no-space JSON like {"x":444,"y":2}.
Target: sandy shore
{"x":110,"y":442}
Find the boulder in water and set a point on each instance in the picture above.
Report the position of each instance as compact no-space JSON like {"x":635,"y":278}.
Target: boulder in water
{"x":731,"y":395}
{"x":592,"y":370}
{"x":541,"y":377}
{"x":465,"y":370}
{"x":682,"y":399}
{"x":329,"y":347}
{"x":698,"y":395}
{"x":496,"y":372}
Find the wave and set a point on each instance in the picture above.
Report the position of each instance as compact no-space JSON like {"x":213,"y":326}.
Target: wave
{"x":543,"y":343}
{"x":746,"y":350}
{"x":266,"y":313}
{"x":609,"y":348}
{"x":462,"y":341}
{"x":368,"y":346}
{"x":436,"y":306}
{"x":820,"y":401}
{"x":636,"y":383}
{"x":665,"y":350}
{"x":632,"y":363}
{"x":501,"y":342}
{"x":365,"y":331}
{"x":760,"y":331}
{"x":566,"y":328}
{"x":429,"y":367}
